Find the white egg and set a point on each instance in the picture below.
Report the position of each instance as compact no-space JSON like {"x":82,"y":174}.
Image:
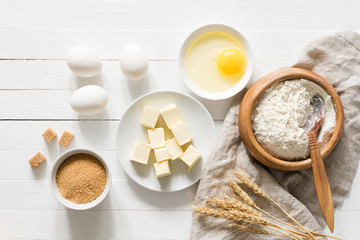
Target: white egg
{"x":89,"y":100}
{"x":133,"y":61}
{"x":84,"y":61}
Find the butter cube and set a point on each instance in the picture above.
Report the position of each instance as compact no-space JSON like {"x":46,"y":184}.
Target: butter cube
{"x":181,"y":133}
{"x":190,"y":157}
{"x":156,"y":137}
{"x":150,"y":116}
{"x":171,"y":115}
{"x":140,"y":152}
{"x":162,"y":169}
{"x":162,"y":154}
{"x":174,"y":149}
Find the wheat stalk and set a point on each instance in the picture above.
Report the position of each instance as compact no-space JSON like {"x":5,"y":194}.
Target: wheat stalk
{"x":296,"y":238}
{"x":245,"y":197}
{"x":256,"y":189}
{"x":237,"y":216}
{"x":299,"y":233}
{"x":241,"y":208}
{"x":258,"y":230}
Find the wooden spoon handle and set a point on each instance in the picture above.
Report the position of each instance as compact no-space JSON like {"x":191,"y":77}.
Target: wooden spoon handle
{"x":321,"y":182}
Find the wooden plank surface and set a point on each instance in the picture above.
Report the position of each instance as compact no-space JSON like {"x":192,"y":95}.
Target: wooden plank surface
{"x":158,"y":44}
{"x":35,"y":86}
{"x":55,"y":75}
{"x":170,"y":15}
{"x":67,"y":224}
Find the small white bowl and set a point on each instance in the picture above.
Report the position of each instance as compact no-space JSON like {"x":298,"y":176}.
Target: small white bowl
{"x":242,"y":82}
{"x":55,"y":190}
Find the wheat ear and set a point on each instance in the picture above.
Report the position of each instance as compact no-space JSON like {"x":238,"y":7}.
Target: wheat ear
{"x":231,"y":203}
{"x":241,"y":193}
{"x":232,"y":215}
{"x":256,"y":189}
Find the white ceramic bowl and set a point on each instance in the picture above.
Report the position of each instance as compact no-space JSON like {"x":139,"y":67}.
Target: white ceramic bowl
{"x":55,"y":189}
{"x":242,"y":82}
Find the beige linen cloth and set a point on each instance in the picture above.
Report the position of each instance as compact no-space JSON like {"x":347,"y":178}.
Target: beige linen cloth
{"x":337,"y":58}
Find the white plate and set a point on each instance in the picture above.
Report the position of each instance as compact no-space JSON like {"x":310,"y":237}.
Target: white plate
{"x":202,"y":129}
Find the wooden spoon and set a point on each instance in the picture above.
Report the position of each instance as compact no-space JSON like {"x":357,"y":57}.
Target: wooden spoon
{"x":323,"y":191}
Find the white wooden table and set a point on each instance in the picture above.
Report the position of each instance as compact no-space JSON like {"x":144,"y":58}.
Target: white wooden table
{"x":35,"y":86}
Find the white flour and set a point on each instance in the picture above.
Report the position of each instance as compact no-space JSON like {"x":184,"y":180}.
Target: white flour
{"x":282,"y":110}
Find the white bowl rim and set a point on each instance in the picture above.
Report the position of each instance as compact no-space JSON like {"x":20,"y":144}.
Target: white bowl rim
{"x":242,"y":82}
{"x":54,"y":188}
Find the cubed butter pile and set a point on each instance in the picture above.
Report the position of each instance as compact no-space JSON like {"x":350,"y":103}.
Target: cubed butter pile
{"x":165,"y":150}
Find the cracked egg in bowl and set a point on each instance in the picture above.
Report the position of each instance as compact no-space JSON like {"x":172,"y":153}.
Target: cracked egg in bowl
{"x":216,"y":62}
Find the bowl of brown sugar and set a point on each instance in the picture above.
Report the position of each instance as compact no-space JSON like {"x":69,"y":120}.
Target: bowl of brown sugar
{"x":80,"y":179}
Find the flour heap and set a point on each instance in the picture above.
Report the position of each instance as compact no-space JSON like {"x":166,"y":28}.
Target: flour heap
{"x":282,"y":110}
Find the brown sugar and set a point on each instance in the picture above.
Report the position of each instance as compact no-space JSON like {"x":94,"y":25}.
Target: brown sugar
{"x":81,"y":178}
{"x":49,"y":135}
{"x":66,"y":138}
{"x":37,"y":159}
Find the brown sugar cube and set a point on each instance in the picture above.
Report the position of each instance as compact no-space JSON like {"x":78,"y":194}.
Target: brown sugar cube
{"x":37,"y":159}
{"x":66,"y":138}
{"x":49,"y":135}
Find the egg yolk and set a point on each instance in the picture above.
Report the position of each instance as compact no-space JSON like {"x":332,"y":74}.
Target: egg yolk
{"x":230,"y":61}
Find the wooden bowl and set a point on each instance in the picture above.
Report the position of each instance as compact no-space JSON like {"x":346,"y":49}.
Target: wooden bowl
{"x":248,"y":102}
